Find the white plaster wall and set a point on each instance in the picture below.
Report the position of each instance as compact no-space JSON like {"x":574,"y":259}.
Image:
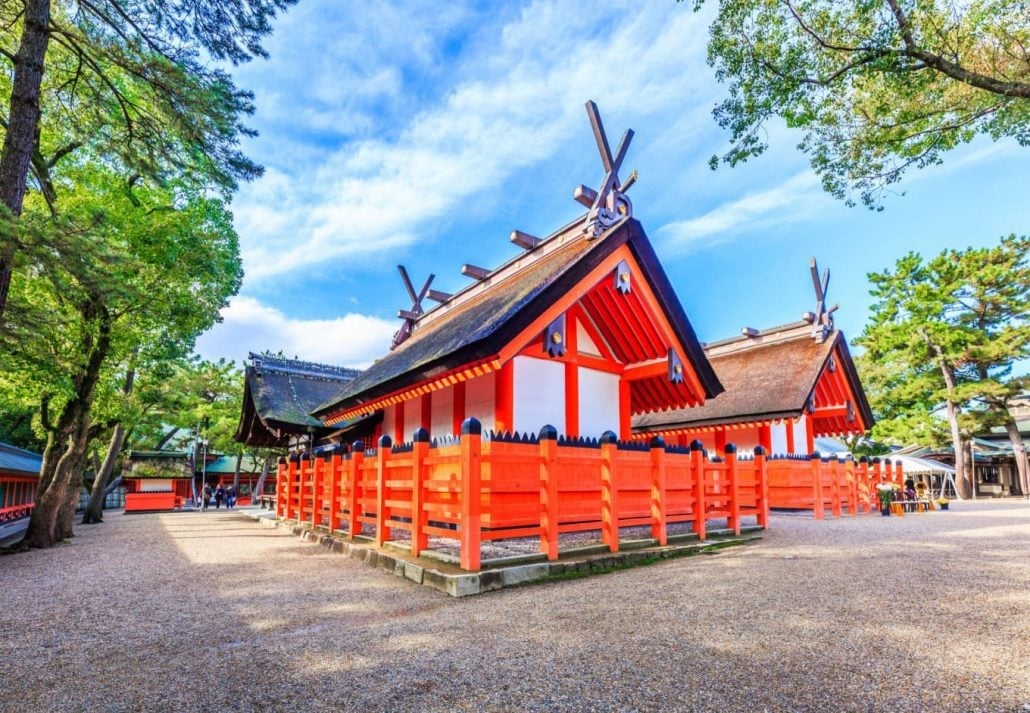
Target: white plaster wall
{"x":586,"y":344}
{"x":598,"y":402}
{"x":779,"y":437}
{"x":412,"y":417}
{"x":443,"y":413}
{"x":801,"y":435}
{"x":745,"y":439}
{"x":539,"y":394}
{"x":155,"y":485}
{"x":389,"y":419}
{"x":479,"y":400}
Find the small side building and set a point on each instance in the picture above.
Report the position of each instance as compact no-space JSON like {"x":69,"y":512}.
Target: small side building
{"x":156,"y":480}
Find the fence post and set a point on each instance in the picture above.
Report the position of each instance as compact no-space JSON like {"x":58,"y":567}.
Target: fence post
{"x":835,"y":487}
{"x":382,"y":458}
{"x":419,"y":519}
{"x":317,"y":496}
{"x":816,"y":462}
{"x":762,"y":486}
{"x":549,"y":491}
{"x":697,"y":467}
{"x":280,"y":488}
{"x":471,"y":493}
{"x":658,"y":529}
{"x":609,"y":491}
{"x":849,"y":480}
{"x":730,"y":451}
{"x":865,"y":485}
{"x":292,"y":483}
{"x":899,"y":473}
{"x":335,"y":474}
{"x":357,"y":459}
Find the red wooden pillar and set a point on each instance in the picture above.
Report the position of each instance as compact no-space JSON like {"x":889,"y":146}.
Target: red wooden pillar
{"x":419,"y":469}
{"x":382,"y":458}
{"x":357,"y":459}
{"x":291,"y":476}
{"x":335,"y":476}
{"x":697,"y":467}
{"x":471,"y":493}
{"x":504,"y":397}
{"x":816,"y":461}
{"x":317,"y":496}
{"x":765,"y":437}
{"x":609,"y":491}
{"x":899,"y":475}
{"x":549,"y":491}
{"x":426,"y":417}
{"x":733,"y":520}
{"x":625,"y":410}
{"x":762,"y":486}
{"x":458,"y":408}
{"x":789,"y":424}
{"x":835,"y":485}
{"x":398,"y":424}
{"x":809,"y":433}
{"x":658,"y":504}
{"x":720,"y":440}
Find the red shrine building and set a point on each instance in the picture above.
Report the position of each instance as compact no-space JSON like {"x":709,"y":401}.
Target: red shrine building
{"x":785,"y":387}
{"x":563,"y":391}
{"x":579,"y":332}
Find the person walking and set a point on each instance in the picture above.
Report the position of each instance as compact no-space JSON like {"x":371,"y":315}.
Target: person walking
{"x":230,"y":497}
{"x":219,"y":496}
{"x":207,"y":495}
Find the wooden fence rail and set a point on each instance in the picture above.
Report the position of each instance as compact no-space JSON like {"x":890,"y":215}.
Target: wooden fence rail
{"x":822,"y":485}
{"x":477,"y":488}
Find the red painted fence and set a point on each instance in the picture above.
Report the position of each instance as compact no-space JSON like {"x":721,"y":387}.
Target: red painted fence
{"x":474,"y":489}
{"x":823,"y":485}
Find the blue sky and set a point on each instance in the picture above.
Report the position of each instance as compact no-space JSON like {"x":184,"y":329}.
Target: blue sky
{"x":422,"y":133}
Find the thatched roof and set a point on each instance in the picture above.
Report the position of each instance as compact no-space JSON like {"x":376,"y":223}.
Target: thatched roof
{"x":498,"y":308}
{"x":769,"y":376}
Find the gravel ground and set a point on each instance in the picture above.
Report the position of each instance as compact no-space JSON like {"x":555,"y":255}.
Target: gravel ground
{"x":211,"y":611}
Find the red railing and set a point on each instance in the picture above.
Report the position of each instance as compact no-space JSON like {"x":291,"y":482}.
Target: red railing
{"x":16,"y":512}
{"x":823,"y":485}
{"x":474,"y":489}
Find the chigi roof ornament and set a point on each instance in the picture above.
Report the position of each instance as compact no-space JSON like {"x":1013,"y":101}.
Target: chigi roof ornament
{"x":822,"y":319}
{"x":609,"y":204}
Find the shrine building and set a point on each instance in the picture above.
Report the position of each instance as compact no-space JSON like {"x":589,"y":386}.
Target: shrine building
{"x":784,"y":387}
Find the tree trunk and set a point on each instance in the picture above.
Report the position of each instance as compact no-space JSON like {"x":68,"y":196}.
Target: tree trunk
{"x":53,"y":516}
{"x":1019,"y":453}
{"x":962,"y":483}
{"x":95,"y":507}
{"x":259,"y":489}
{"x":22,"y":122}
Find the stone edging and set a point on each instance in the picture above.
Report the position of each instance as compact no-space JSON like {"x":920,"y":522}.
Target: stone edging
{"x":465,"y":584}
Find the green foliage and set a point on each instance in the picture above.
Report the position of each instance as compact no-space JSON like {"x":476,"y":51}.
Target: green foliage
{"x":963,"y":313}
{"x":876,"y":88}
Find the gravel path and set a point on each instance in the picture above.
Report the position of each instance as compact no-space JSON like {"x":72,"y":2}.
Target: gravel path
{"x":211,"y":611}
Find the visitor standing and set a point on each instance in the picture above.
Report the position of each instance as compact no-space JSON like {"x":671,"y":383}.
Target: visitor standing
{"x":230,"y":497}
{"x":219,"y":496}
{"x":207,"y":495}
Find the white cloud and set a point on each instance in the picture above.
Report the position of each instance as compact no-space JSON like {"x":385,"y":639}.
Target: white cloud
{"x":513,"y":104}
{"x":792,"y":200}
{"x":351,"y":340}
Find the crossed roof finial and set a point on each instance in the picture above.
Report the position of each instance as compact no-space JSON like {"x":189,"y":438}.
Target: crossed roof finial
{"x":822,"y":319}
{"x":609,"y":204}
